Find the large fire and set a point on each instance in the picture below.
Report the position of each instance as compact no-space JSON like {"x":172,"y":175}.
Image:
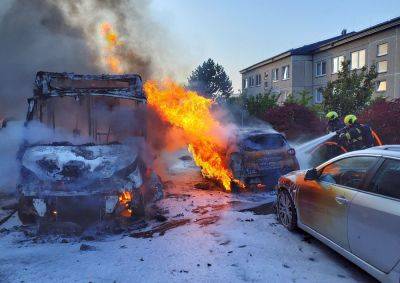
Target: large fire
{"x":191,"y":112}
{"x":183,"y":109}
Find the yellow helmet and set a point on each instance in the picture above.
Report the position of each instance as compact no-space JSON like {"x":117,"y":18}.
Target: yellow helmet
{"x":331,"y":115}
{"x":350,"y":119}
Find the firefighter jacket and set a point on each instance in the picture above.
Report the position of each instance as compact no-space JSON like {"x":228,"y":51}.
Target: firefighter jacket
{"x":356,"y":137}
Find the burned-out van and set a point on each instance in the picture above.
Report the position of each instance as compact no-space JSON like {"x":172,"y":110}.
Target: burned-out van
{"x":97,"y":170}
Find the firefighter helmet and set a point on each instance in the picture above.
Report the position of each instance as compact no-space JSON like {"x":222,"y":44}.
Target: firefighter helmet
{"x":350,"y":119}
{"x":332,"y":115}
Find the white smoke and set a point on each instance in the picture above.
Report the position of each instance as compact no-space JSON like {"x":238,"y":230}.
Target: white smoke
{"x":12,"y":139}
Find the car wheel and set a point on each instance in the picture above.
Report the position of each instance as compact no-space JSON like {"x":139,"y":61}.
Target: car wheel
{"x":26,"y":211}
{"x":286,"y":211}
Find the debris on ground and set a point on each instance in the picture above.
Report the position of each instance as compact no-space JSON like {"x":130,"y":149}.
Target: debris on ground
{"x":213,"y":231}
{"x":161,"y":229}
{"x":85,"y":247}
{"x":263,"y":209}
{"x":202,"y":186}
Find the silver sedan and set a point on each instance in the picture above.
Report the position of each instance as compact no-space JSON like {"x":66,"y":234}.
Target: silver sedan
{"x":352,"y":204}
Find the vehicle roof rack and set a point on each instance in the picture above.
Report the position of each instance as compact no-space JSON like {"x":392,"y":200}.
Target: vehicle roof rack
{"x":71,"y":84}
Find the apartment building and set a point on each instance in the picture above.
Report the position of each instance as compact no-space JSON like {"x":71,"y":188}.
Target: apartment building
{"x":310,"y":67}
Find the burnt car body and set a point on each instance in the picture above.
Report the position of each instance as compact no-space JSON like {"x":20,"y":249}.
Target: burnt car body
{"x":260,"y":157}
{"x":71,"y":180}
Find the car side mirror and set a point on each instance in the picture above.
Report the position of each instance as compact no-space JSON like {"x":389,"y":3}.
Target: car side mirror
{"x":311,"y":174}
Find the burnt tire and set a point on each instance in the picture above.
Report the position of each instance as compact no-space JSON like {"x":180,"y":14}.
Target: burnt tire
{"x":286,"y":210}
{"x":26,"y":211}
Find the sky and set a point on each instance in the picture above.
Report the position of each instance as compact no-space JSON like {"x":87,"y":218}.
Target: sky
{"x":239,"y":33}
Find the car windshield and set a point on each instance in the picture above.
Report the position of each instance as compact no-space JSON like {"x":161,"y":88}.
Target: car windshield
{"x":263,"y":142}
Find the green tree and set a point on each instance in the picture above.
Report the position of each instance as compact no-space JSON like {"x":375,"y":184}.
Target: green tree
{"x":210,"y":80}
{"x":258,"y":105}
{"x":351,"y":92}
{"x":303,"y":98}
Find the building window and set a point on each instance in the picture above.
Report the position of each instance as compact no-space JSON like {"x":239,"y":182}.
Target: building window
{"x":337,"y":64}
{"x":381,"y":86}
{"x":318,"y":95}
{"x":275,"y":75}
{"x":258,"y":79}
{"x":285,"y":72}
{"x":358,"y":59}
{"x":320,"y":69}
{"x":244,"y":83}
{"x":382,"y":66}
{"x":251,"y":81}
{"x":382,"y":49}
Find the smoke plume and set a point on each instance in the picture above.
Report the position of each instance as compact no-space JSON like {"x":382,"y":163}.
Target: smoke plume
{"x":63,"y":36}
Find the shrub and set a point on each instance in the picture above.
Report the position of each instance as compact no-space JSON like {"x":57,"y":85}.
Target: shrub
{"x":384,"y":118}
{"x":294,"y":121}
{"x":304,"y":98}
{"x":257,"y":105}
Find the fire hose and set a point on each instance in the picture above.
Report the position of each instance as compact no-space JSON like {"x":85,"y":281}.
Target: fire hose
{"x":377,"y":140}
{"x":329,"y":143}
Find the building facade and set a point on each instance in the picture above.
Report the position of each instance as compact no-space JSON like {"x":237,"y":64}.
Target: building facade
{"x":311,"y":67}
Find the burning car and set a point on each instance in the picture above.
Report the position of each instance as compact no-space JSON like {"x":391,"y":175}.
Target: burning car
{"x":260,"y":157}
{"x":72,"y":181}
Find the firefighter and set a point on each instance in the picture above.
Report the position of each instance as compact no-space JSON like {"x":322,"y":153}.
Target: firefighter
{"x":355,"y":136}
{"x":334,"y":123}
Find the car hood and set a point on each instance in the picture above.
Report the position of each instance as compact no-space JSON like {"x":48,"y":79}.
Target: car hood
{"x":73,"y":163}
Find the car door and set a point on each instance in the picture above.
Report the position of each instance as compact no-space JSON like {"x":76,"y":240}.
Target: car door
{"x":323,"y":203}
{"x":374,"y":219}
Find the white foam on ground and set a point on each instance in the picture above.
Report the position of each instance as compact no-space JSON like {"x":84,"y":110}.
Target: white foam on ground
{"x":239,"y":247}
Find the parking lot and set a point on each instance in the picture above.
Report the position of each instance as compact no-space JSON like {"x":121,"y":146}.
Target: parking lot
{"x":206,"y":236}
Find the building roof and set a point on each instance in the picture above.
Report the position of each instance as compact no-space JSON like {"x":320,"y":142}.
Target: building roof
{"x":309,"y":49}
{"x":362,"y":33}
{"x":303,"y":50}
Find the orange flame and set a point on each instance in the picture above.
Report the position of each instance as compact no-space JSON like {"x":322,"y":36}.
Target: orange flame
{"x":183,"y":109}
{"x":191,"y":112}
{"x":110,"y":45}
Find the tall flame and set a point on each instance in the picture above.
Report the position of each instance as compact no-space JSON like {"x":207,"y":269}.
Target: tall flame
{"x":110,"y":43}
{"x":184,"y":109}
{"x":191,"y":112}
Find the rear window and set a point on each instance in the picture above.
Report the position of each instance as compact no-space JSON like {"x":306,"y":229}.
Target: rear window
{"x":387,"y":180}
{"x":264,"y":142}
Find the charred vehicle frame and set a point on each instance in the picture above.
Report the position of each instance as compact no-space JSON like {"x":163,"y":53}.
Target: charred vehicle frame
{"x":105,"y":175}
{"x":260,"y":156}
